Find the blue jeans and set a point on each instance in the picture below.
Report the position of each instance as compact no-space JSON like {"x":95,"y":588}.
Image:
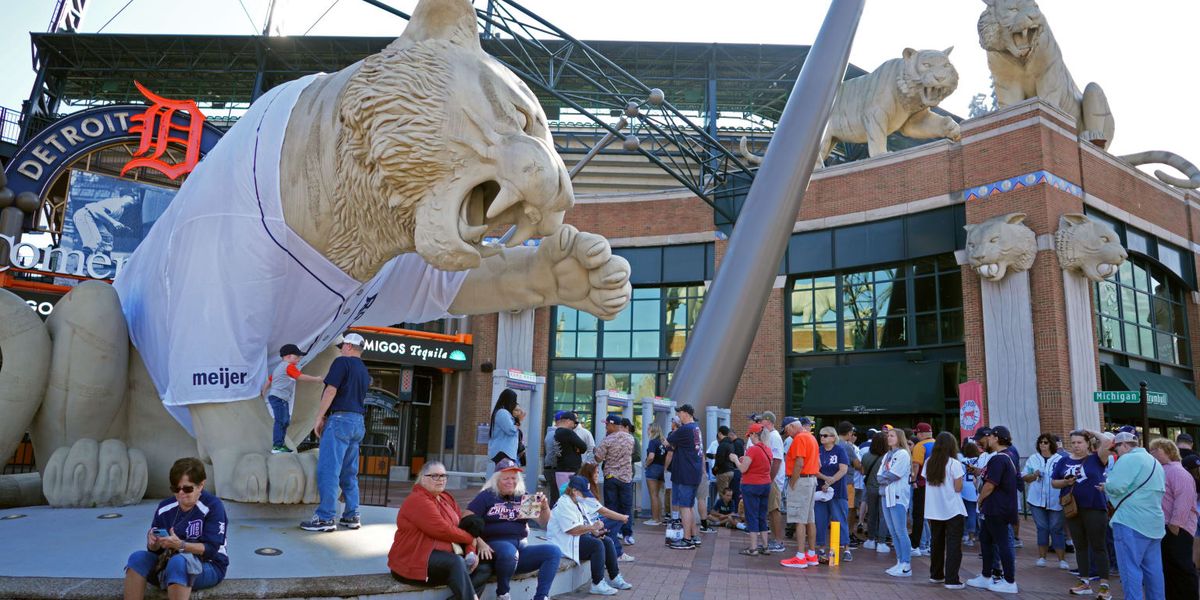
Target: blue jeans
{"x":512,"y":556}
{"x":1049,"y":528}
{"x":613,"y":533}
{"x":601,"y":553}
{"x":142,"y":561}
{"x":1140,"y":560}
{"x":618,"y":496}
{"x":755,"y":496}
{"x":897,"y":523}
{"x":283,"y":418}
{"x":337,"y":464}
{"x":972,"y":523}
{"x":838,"y":510}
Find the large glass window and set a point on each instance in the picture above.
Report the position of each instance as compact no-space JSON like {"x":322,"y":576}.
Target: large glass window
{"x":1141,"y":311}
{"x":682,"y":308}
{"x":574,"y":391}
{"x":889,"y":306}
{"x":635,"y":332}
{"x":575,"y":333}
{"x":655,"y":324}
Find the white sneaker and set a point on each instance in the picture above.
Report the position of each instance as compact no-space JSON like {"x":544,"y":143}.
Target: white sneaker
{"x":504,"y":597}
{"x":626,"y":557}
{"x":629,"y":540}
{"x":900,"y":570}
{"x":882,"y":548}
{"x":620,"y":583}
{"x":602,"y":589}
{"x":916,"y":553}
{"x":1062,"y":564}
{"x":651,"y":523}
{"x":741,"y":526}
{"x":981,"y":582}
{"x":1003,"y":587}
{"x":868,"y":545}
{"x":1041,"y":562}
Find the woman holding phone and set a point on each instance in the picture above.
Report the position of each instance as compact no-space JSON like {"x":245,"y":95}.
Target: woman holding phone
{"x":1080,"y":475}
{"x":506,"y":512}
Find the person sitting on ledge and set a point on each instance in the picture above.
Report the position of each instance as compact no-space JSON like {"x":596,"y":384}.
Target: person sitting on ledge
{"x":506,"y":511}
{"x":580,"y":537}
{"x":429,"y":546}
{"x":185,"y":547}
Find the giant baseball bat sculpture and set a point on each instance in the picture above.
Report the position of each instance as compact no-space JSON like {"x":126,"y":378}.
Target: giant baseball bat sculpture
{"x":712,"y":363}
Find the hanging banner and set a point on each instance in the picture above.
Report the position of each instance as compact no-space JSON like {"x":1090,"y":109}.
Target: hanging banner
{"x":970,"y":411}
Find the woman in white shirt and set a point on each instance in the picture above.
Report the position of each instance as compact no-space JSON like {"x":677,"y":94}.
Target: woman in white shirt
{"x":945,"y":510}
{"x":1044,"y":500}
{"x":894,"y":470}
{"x":582,"y":538}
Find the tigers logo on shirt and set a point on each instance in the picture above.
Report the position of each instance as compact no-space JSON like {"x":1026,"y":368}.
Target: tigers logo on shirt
{"x":195,"y":529}
{"x":1078,"y":471}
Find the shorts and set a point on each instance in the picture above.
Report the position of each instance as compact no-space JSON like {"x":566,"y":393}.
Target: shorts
{"x":800,"y":501}
{"x":774,"y":499}
{"x":654,"y":472}
{"x":683,"y":495}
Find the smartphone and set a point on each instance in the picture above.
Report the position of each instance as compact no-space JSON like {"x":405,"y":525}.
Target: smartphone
{"x":160,"y":532}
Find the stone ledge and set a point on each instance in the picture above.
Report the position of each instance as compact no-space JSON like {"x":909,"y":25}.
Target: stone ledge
{"x":361,"y":586}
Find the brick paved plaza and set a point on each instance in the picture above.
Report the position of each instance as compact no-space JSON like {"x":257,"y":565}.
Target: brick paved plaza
{"x":716,"y":570}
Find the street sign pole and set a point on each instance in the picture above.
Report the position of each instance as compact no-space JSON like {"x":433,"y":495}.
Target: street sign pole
{"x":1145,"y":401}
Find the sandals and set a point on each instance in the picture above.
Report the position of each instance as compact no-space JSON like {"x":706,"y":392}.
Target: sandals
{"x":759,"y":551}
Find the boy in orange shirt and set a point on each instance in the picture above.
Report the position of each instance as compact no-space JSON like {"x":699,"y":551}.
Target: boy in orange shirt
{"x":280,"y":391}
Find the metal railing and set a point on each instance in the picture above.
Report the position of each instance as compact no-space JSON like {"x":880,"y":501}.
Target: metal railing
{"x":22,"y":460}
{"x":375,"y":466}
{"x":10,"y":125}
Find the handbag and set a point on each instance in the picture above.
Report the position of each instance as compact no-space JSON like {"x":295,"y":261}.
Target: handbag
{"x":1112,"y":510}
{"x":1070,"y":508}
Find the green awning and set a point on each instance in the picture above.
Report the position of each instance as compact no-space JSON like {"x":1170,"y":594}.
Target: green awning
{"x":1182,"y":405}
{"x":885,"y":389}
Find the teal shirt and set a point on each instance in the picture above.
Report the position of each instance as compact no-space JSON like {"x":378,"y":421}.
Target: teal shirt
{"x":1141,"y":510}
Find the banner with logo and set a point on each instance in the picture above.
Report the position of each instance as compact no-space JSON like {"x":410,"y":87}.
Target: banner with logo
{"x":970,"y":408}
{"x":110,"y":215}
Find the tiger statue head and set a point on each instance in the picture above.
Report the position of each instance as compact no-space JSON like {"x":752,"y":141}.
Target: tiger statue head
{"x":928,"y":77}
{"x":1000,"y":245}
{"x":1012,"y":26}
{"x":1088,"y":247}
{"x":438,"y":144}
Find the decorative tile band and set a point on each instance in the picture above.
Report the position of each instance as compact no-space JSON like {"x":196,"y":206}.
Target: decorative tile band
{"x":980,"y":192}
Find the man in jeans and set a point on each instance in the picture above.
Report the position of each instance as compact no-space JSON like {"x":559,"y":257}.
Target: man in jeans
{"x":337,"y":464}
{"x":1135,"y":486}
{"x":616,"y":453}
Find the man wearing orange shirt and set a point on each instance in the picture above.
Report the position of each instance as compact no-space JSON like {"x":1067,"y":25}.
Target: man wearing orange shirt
{"x":802,"y":462}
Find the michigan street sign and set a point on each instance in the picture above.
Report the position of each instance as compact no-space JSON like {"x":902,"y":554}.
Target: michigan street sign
{"x":1129,"y":398}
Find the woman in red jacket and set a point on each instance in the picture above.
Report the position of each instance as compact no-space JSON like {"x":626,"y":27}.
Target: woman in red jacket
{"x":429,"y":547}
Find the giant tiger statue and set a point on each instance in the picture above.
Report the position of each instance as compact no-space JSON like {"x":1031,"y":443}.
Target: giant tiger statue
{"x":1026,"y":62}
{"x":355,"y":198}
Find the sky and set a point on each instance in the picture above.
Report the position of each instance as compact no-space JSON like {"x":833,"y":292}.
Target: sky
{"x":1144,"y":54}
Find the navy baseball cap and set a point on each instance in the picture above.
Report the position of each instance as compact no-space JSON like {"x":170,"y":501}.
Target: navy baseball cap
{"x":1002,"y":433}
{"x":687,"y":408}
{"x":982,"y":433}
{"x":290,"y":349}
{"x":614,"y":419}
{"x":788,"y":421}
{"x":1191,"y":461}
{"x":807,"y":422}
{"x":1183,"y":437}
{"x":754,"y":417}
{"x":578,"y":482}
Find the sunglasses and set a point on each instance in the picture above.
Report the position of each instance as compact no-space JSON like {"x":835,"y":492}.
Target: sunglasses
{"x":436,"y":476}
{"x":824,"y":435}
{"x":187,"y":489}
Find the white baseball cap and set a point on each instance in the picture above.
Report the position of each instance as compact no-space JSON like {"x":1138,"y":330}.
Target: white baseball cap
{"x":353,"y":339}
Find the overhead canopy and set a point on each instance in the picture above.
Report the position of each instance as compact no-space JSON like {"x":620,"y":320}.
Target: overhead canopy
{"x":1182,"y":405}
{"x":893,"y":389}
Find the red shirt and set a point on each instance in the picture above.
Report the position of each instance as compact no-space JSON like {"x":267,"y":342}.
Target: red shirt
{"x":760,"y":465}
{"x":425,"y":523}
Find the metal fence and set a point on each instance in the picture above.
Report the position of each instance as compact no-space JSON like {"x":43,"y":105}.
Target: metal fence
{"x":22,"y":460}
{"x":374,"y":465}
{"x":10,"y":125}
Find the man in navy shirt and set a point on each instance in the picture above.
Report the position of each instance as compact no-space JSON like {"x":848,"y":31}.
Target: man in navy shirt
{"x":341,"y":432}
{"x":998,"y":507}
{"x":687,"y":467}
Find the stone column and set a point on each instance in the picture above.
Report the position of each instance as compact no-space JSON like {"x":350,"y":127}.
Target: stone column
{"x":514,"y":340}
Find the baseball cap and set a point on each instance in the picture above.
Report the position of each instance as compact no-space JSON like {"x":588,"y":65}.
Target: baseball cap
{"x":1002,"y":433}
{"x":508,"y":464}
{"x":353,"y":339}
{"x":755,"y":428}
{"x":614,"y":419}
{"x":982,"y":433}
{"x":872,"y":432}
{"x":578,"y":482}
{"x":1183,"y":437}
{"x":1124,"y":437}
{"x":290,"y":349}
{"x":754,"y":417}
{"x":807,"y":422}
{"x":687,"y":408}
{"x":626,"y":422}
{"x":1191,"y":461}
{"x":1127,"y":429}
{"x":788,"y":421}
{"x":923,"y":428}
{"x":769,"y":416}
{"x":567,"y":414}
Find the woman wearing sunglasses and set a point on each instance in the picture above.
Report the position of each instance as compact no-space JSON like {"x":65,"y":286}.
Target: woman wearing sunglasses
{"x":185,"y":547}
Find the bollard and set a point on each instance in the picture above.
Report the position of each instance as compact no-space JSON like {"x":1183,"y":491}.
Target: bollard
{"x":835,"y":543}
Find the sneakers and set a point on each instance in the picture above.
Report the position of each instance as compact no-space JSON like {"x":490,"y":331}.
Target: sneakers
{"x":315,"y":524}
{"x":917,"y":553}
{"x":846,"y":556}
{"x":351,"y":522}
{"x":684,"y":544}
{"x":1041,"y":562}
{"x":795,"y":562}
{"x":626,"y":557}
{"x":868,"y":545}
{"x":280,"y":450}
{"x":954,"y":586}
{"x":651,"y":523}
{"x":696,"y":542}
{"x":620,"y":583}
{"x":931,"y":580}
{"x":822,"y":557}
{"x":1104,"y":594}
{"x":1062,"y":564}
{"x":707,"y":529}
{"x":812,"y":558}
{"x":628,"y":540}
{"x":970,"y":543}
{"x":900,"y":570}
{"x":1082,"y":589}
{"x":503,"y":596}
{"x":882,"y":548}
{"x":980,"y":581}
{"x":1017,"y":544}
{"x":1003,"y":587}
{"x":775,"y":546}
{"x":602,"y":589}
{"x":741,"y":526}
